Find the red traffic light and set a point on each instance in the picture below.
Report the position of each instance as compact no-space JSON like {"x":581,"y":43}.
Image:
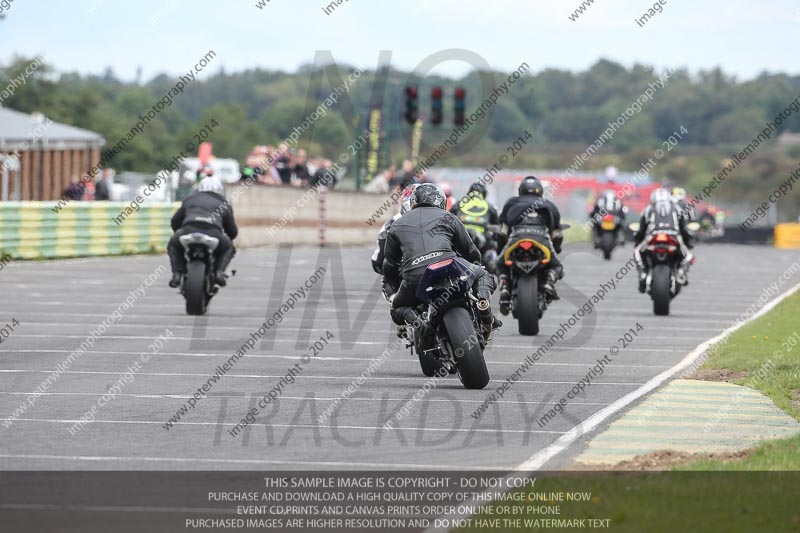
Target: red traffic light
{"x":411,"y":104}
{"x":461,"y":93}
{"x":437,"y":93}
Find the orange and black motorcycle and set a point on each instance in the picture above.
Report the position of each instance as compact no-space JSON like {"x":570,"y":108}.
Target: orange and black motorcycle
{"x":527,"y":256}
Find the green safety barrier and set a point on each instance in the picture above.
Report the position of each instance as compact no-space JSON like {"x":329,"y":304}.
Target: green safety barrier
{"x":33,"y":230}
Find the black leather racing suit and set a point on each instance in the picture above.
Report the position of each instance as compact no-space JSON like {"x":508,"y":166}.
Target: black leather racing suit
{"x":209,"y":213}
{"x":687,"y":211}
{"x":379,"y":254}
{"x":534,"y":217}
{"x":423,"y":236}
{"x":663,"y":217}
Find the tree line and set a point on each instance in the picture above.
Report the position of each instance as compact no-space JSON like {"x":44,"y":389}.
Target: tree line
{"x":565,"y":111}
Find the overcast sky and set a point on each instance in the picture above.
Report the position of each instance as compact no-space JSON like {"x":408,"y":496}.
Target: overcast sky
{"x":743,"y":37}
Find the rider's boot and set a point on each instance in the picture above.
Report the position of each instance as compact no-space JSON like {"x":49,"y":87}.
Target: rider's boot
{"x":642,"y":279}
{"x":175,"y":282}
{"x":489,"y":322}
{"x":505,"y":295}
{"x":222,"y":263}
{"x":550,"y":285}
{"x":414,"y":320}
{"x":683,"y":269}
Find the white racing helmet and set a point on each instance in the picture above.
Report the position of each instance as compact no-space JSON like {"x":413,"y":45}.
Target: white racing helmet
{"x":661,"y":200}
{"x":660,"y":195}
{"x":211,"y":184}
{"x":405,"y":202}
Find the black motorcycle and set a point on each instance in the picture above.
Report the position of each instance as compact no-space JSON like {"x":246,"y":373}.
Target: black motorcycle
{"x":453,"y":317}
{"x":526,"y":258}
{"x":607,"y":234}
{"x":664,"y":277}
{"x":199,"y":284}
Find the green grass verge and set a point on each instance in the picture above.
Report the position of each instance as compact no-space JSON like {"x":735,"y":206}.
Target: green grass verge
{"x":764,"y":350}
{"x":576,"y":232}
{"x":775,"y":455}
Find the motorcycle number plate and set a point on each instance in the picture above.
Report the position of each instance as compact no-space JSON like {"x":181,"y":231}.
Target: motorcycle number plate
{"x":607,"y":225}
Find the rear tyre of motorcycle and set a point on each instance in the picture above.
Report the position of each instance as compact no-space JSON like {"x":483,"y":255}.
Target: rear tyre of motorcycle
{"x":470,"y":364}
{"x":195,"y":288}
{"x":659,"y":290}
{"x":607,"y":244}
{"x":528,"y":305}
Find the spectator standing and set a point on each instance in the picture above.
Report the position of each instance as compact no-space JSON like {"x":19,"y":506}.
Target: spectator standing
{"x":75,"y":189}
{"x":88,"y":191}
{"x":102,"y":189}
{"x":380,"y":183}
{"x":406,"y":176}
{"x":324,"y":176}
{"x":301,"y":174}
{"x":283,"y":164}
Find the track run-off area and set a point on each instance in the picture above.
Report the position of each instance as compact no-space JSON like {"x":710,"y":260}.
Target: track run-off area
{"x":106,"y":339}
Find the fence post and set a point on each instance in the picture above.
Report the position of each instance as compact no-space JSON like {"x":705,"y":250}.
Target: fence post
{"x":323,"y":214}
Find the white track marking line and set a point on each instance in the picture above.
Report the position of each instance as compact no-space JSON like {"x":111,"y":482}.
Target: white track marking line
{"x":328,"y":310}
{"x":299,"y":426}
{"x":438,"y":466}
{"x":228,"y":339}
{"x":251,"y":395}
{"x":298,"y":377}
{"x":365,"y":359}
{"x":295,"y":329}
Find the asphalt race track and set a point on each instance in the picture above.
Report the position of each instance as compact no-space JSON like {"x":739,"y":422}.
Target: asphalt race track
{"x":57,"y":304}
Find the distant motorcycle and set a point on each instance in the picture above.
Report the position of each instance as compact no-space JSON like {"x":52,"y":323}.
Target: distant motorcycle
{"x":708,"y":228}
{"x":607,"y":231}
{"x":662,"y":261}
{"x":453,"y":313}
{"x":527,"y":257}
{"x":199,"y":284}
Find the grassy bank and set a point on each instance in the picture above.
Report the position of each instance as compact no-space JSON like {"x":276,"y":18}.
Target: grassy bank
{"x":765,"y":356}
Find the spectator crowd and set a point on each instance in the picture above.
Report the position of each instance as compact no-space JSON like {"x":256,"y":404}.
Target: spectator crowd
{"x":392,"y":179}
{"x":98,"y":190}
{"x":285,"y":166}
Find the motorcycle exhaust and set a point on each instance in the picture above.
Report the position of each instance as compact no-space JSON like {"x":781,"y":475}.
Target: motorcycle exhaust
{"x":681,"y":278}
{"x":485,"y":313}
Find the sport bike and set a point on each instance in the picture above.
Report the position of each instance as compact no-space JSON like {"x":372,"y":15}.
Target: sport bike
{"x":199,"y":284}
{"x":664,"y":277}
{"x":607,"y":232}
{"x":526,"y":258}
{"x":451,"y":317}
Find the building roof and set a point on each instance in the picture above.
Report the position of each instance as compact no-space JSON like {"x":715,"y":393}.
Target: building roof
{"x":17,"y":127}
{"x":788,"y":138}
